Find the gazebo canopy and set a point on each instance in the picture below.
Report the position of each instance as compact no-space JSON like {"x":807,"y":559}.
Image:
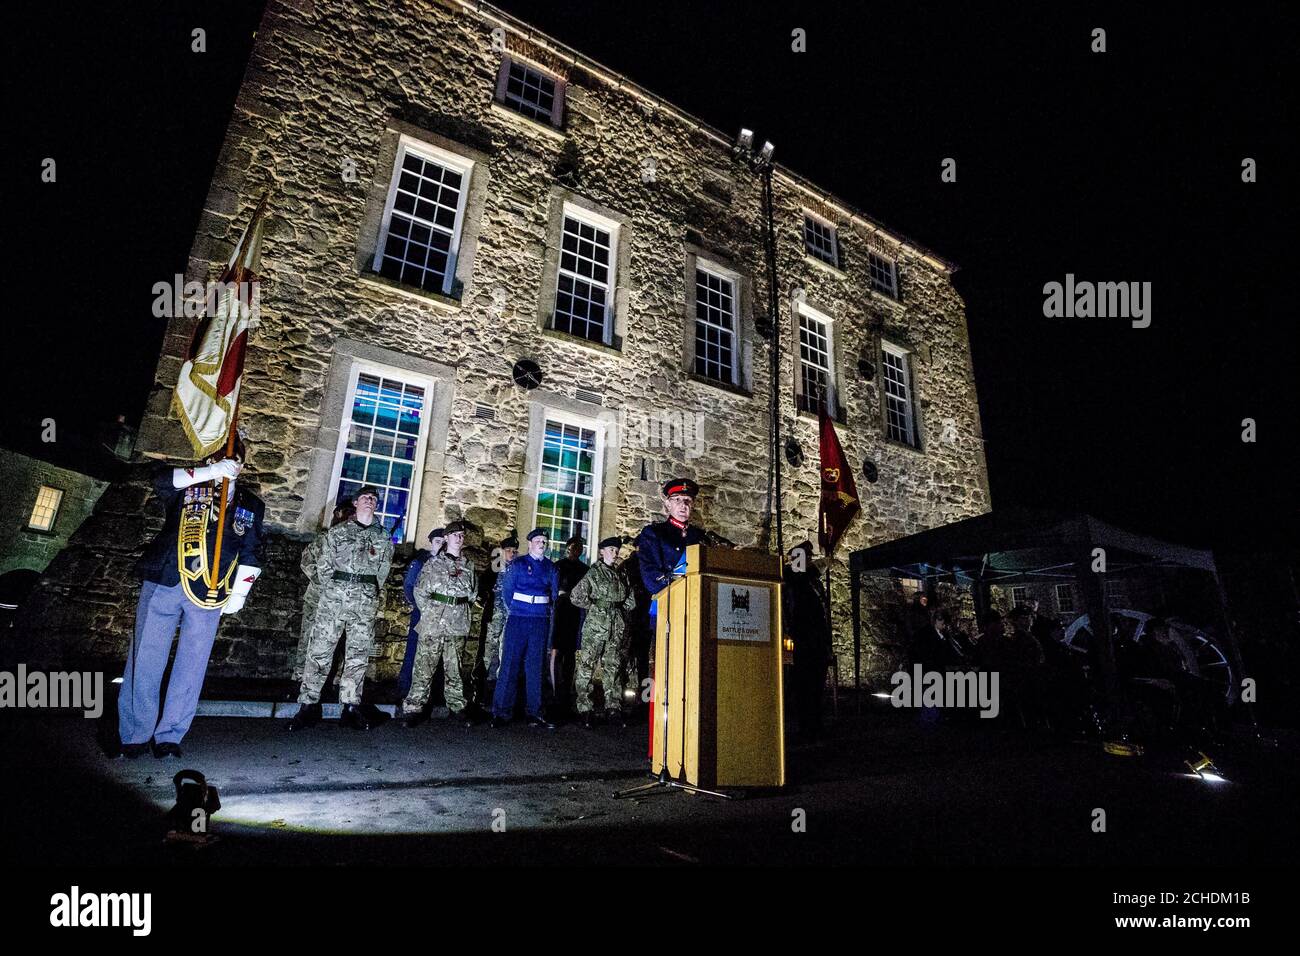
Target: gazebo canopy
{"x":1021,"y":545}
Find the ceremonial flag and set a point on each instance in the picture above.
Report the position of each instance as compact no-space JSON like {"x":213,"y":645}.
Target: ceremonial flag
{"x":207,"y":391}
{"x":839,"y":501}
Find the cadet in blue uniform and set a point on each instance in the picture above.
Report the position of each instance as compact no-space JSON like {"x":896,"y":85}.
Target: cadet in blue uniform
{"x":174,"y":594}
{"x":529,"y":587}
{"x":661,"y":546}
{"x":408,"y":588}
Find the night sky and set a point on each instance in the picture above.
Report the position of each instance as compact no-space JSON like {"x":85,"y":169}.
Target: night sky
{"x":1122,"y":166}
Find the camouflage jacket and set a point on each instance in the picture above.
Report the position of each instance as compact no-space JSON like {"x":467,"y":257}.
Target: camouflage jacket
{"x":445,"y":576}
{"x":354,"y":548}
{"x":607,"y":596}
{"x":310,"y":555}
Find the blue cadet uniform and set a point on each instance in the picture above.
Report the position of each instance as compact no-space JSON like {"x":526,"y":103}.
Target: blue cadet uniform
{"x":529,"y":587}
{"x":174,"y":595}
{"x":412,"y":635}
{"x":661,"y":545}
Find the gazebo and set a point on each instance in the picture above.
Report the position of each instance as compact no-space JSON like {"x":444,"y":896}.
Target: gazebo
{"x":1021,"y":546}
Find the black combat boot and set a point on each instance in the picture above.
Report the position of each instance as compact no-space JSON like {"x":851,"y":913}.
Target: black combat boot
{"x":415,"y":718}
{"x":308,"y":716}
{"x":354,"y":717}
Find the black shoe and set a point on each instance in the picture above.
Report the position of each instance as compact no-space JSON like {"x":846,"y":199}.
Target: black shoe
{"x":465,"y":717}
{"x":616,"y":717}
{"x":353,"y":716}
{"x":374,"y":716}
{"x":164,"y":750}
{"x":499,"y":722}
{"x":588,"y":721}
{"x":540,"y":722}
{"x":134,"y":751}
{"x":308,"y":716}
{"x":415,"y":718}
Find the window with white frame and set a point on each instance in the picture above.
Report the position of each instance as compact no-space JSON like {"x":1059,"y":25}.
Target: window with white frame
{"x":46,"y":509}
{"x":531,"y":92}
{"x":884,"y":274}
{"x":568,"y":483}
{"x":420,"y":236}
{"x":716,"y":349}
{"x":1019,"y":596}
{"x":816,"y":364}
{"x":584,"y":297}
{"x":381,"y":443}
{"x":900,"y":422}
{"x":819,"y":239}
{"x":1065,"y":598}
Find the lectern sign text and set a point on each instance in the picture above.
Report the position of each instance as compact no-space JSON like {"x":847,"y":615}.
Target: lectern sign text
{"x":743,"y":613}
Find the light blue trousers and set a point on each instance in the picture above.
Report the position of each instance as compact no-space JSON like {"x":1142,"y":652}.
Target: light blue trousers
{"x":160,"y":612}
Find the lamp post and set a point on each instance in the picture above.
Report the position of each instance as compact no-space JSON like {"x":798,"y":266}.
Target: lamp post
{"x":762,"y":164}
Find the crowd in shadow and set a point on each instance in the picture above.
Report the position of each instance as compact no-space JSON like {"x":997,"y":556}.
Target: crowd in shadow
{"x":1047,"y":685}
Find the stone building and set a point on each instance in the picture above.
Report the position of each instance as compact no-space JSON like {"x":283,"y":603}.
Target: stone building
{"x":42,"y":505}
{"x":451,"y":192}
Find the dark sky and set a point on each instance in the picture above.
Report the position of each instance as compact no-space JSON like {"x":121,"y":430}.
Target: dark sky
{"x":1122,"y":166}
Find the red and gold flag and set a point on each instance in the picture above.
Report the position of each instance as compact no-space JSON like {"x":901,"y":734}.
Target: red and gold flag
{"x":207,"y":391}
{"x":839,"y":502}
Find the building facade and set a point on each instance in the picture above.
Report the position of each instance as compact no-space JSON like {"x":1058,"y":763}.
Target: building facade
{"x":452,"y":192}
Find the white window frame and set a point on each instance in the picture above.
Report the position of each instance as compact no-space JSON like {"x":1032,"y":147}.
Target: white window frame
{"x":358,"y":369}
{"x":1018,"y":601}
{"x":598,"y":470}
{"x":1069,"y":590}
{"x":561,"y":89}
{"x":57,"y":494}
{"x":802,"y":311}
{"x":892,"y":292}
{"x":596,"y":221}
{"x":830,"y":227}
{"x":452,"y":161}
{"x":721,"y":272}
{"x":912,"y":439}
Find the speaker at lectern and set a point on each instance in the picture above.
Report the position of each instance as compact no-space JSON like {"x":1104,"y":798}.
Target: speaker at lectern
{"x":717,"y":691}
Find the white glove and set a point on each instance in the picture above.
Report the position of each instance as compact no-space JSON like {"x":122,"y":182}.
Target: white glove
{"x":226,"y":468}
{"x":245,"y":575}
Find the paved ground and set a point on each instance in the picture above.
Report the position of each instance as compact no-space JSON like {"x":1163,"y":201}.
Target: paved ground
{"x":880,"y":790}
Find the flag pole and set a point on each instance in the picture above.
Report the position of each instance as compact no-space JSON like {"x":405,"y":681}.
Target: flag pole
{"x":215,"y":570}
{"x":221,"y":516}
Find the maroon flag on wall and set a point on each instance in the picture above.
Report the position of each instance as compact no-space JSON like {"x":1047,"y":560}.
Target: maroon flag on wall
{"x":839,"y":501}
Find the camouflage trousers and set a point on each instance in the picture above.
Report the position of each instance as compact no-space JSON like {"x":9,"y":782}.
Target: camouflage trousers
{"x":343,"y":608}
{"x":608,"y":652}
{"x":492,"y":643}
{"x":451,"y":650}
{"x":310,"y":601}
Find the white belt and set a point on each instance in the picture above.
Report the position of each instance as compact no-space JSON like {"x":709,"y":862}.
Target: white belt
{"x":532,"y":598}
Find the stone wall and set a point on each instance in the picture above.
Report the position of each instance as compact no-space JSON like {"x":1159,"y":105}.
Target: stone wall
{"x":330,"y":88}
{"x":21,"y":477}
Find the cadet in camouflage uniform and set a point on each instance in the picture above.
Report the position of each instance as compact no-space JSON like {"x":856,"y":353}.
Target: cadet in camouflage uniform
{"x":607,"y":596}
{"x":497,"y":623}
{"x":442,"y":593}
{"x":311,"y":599}
{"x":353,"y":564}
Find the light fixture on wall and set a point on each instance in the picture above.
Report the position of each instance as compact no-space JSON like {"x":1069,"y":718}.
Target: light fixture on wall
{"x":869,"y":471}
{"x":867,"y":369}
{"x":793,"y":452}
{"x":527,"y":374}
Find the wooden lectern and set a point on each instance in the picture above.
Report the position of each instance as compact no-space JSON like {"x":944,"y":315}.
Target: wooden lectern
{"x":718,"y":671}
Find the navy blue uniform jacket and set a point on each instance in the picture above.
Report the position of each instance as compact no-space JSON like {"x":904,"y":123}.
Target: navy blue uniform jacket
{"x":242,"y":539}
{"x":659,"y":547}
